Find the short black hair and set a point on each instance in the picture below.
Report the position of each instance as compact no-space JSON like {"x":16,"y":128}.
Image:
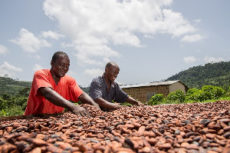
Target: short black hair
{"x":56,"y":55}
{"x":109,"y":64}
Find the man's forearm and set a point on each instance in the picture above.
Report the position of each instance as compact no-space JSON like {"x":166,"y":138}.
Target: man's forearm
{"x":132,"y":101}
{"x":105,"y":104}
{"x":85,"y":98}
{"x":55,"y":98}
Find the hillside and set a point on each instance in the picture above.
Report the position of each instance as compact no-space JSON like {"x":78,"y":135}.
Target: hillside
{"x":217,"y":74}
{"x":12,"y":87}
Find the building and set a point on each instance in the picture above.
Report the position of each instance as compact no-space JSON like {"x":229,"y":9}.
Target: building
{"x":143,"y":92}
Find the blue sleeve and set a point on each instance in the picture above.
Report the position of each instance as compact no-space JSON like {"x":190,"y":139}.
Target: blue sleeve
{"x":95,"y":89}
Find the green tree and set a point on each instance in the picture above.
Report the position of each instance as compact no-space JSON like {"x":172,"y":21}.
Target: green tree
{"x":176,"y":96}
{"x":212,"y":92}
{"x":156,"y":99}
{"x":216,"y":74}
{"x":195,"y":95}
{"x":3,"y":103}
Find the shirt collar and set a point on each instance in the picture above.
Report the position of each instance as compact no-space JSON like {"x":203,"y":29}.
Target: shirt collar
{"x":113,"y":83}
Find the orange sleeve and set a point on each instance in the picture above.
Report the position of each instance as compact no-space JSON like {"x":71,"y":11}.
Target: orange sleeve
{"x":74,"y":90}
{"x":41,"y":79}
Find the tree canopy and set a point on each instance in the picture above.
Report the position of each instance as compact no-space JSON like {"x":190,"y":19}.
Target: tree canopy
{"x":217,"y":74}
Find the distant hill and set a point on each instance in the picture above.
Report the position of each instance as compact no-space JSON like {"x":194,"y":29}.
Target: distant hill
{"x":12,"y":87}
{"x":217,"y":74}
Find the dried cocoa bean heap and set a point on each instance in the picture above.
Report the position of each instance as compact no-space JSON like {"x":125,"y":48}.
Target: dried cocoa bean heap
{"x":183,"y":128}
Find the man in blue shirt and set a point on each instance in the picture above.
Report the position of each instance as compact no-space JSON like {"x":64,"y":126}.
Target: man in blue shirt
{"x":104,"y":89}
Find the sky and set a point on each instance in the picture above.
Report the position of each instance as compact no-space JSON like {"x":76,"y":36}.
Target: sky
{"x":150,"y":40}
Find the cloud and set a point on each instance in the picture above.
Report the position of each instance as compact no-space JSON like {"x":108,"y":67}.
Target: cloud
{"x":197,"y":20}
{"x":173,"y":23}
{"x":3,"y":49}
{"x":93,"y":72}
{"x":52,"y":35}
{"x":37,"y":67}
{"x":9,"y":70}
{"x":192,"y":38}
{"x":37,"y":57}
{"x":87,"y":52}
{"x":29,"y":42}
{"x":95,"y":26}
{"x":213,"y":59}
{"x":71,"y":73}
{"x":190,"y":59}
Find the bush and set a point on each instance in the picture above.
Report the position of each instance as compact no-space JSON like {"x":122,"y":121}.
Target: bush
{"x":3,"y":103}
{"x":195,"y":94}
{"x":156,"y":99}
{"x":20,"y":100}
{"x":227,"y":94}
{"x":176,"y":96}
{"x":12,"y":111}
{"x":12,"y":105}
{"x":212,"y":92}
{"x":24,"y":106}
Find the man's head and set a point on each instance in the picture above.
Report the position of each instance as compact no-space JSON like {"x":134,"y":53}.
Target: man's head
{"x":111,"y":71}
{"x":60,"y":64}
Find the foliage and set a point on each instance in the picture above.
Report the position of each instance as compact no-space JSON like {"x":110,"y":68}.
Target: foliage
{"x":156,"y":99}
{"x":3,"y":103}
{"x":217,"y":74}
{"x":9,"y":86}
{"x":212,"y":92}
{"x":12,"y":105}
{"x":194,"y":94}
{"x":207,"y":93}
{"x":126,"y":104}
{"x":227,"y":93}
{"x":12,"y":111}
{"x":176,"y":96}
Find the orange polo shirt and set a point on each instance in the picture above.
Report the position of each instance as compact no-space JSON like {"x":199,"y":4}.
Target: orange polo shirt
{"x":66,"y":87}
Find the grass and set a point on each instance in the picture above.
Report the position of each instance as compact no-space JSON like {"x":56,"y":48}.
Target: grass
{"x":12,"y":111}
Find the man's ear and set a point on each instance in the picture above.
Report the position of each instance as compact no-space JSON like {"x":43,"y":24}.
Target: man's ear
{"x":51,"y":63}
{"x":106,"y":69}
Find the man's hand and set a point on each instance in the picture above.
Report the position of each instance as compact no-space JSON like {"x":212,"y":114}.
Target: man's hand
{"x":116,"y":106}
{"x":139,"y":103}
{"x":112,"y":106}
{"x":85,"y":98}
{"x":134,"y":102}
{"x":105,"y":105}
{"x":79,"y":111}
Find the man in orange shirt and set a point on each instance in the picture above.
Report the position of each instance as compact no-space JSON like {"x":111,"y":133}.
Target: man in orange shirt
{"x":52,"y":90}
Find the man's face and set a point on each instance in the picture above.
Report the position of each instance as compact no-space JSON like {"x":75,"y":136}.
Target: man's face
{"x":61,"y":66}
{"x":112,"y":73}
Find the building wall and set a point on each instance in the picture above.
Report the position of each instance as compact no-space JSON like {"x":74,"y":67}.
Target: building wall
{"x":144,"y":93}
{"x":177,"y":86}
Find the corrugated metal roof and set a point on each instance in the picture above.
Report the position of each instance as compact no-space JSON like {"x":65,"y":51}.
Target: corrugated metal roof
{"x":158,"y":83}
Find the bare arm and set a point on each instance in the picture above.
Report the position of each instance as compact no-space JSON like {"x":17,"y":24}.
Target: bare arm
{"x":58,"y":100}
{"x":85,"y":98}
{"x":107,"y":105}
{"x":133,"y":101}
